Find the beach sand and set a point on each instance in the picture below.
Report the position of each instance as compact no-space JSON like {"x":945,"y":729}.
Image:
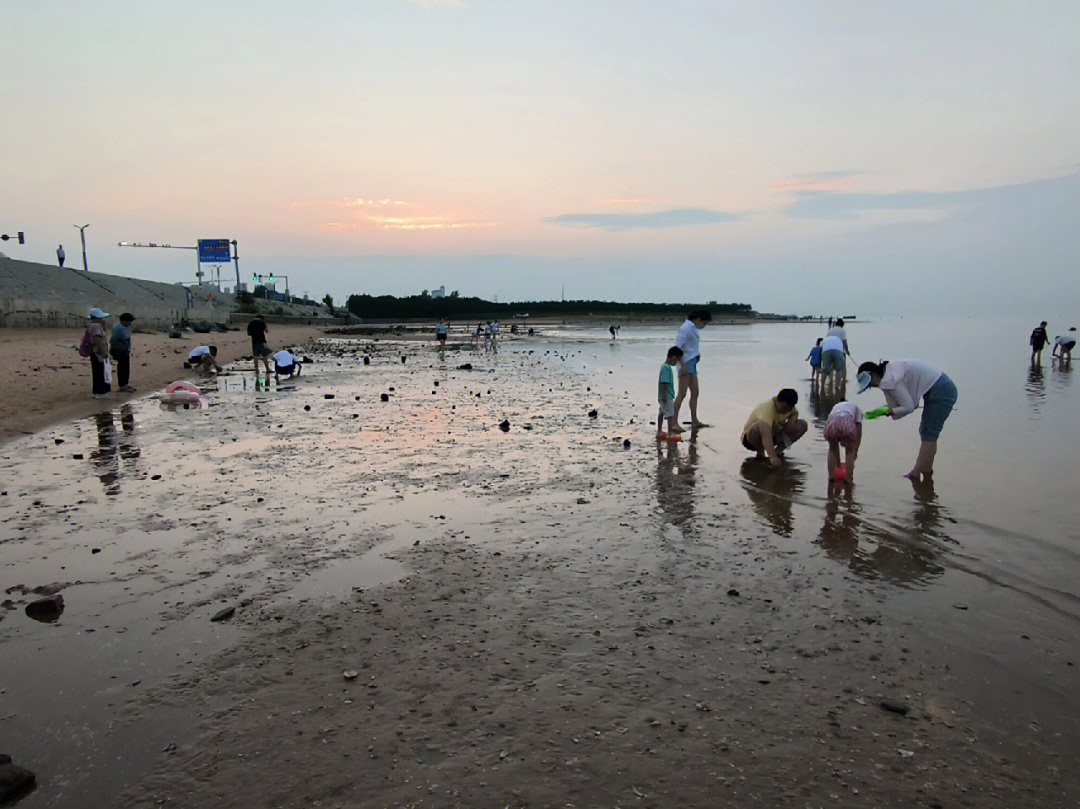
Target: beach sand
{"x":431,"y":611}
{"x":49,"y":382}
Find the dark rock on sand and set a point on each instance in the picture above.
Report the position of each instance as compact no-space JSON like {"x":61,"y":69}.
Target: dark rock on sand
{"x":223,"y":615}
{"x":593,"y":414}
{"x":385,"y":397}
{"x":47,"y":610}
{"x":504,"y":425}
{"x":892,"y":706}
{"x":328,"y":396}
{"x":15,"y":782}
{"x":465,"y":367}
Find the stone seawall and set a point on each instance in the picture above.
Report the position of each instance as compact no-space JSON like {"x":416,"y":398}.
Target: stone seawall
{"x":42,"y":295}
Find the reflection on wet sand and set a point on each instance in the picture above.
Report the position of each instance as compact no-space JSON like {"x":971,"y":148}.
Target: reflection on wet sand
{"x":822,"y":398}
{"x":116,"y":455}
{"x":771,"y":491}
{"x":898,"y":556}
{"x":675,"y":483}
{"x":1035,"y":387}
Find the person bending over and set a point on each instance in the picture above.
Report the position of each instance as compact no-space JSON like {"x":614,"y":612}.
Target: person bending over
{"x":773,"y":426}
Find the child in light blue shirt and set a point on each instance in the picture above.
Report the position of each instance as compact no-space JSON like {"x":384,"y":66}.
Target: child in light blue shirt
{"x":666,"y":395}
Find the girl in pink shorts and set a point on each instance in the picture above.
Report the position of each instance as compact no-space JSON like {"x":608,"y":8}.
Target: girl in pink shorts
{"x":843,"y":427}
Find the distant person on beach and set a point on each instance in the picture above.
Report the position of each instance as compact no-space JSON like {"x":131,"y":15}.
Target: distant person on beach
{"x":120,"y":350}
{"x":94,"y":345}
{"x":495,"y":335}
{"x":479,"y":335}
{"x":843,"y":428}
{"x":904,"y":382}
{"x":286,"y":363}
{"x":1065,"y":344}
{"x":1039,"y":338}
{"x":666,"y":395}
{"x":204,"y":359}
{"x":441,"y":330}
{"x":815,"y":361}
{"x":614,"y":331}
{"x":689,"y":340}
{"x":773,"y":426}
{"x":256,"y":330}
{"x":60,"y":255}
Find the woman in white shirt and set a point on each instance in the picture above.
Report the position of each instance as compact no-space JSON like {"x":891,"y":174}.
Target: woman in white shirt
{"x":689,"y":340}
{"x":904,"y":382}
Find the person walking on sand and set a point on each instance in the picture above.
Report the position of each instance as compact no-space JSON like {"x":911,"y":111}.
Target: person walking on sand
{"x":904,"y":382}
{"x":441,"y":329}
{"x":1064,"y":344}
{"x":689,"y":340}
{"x":773,"y":426}
{"x":666,"y":395}
{"x":1039,"y":338}
{"x":256,"y":330}
{"x":60,"y":256}
{"x":94,"y":345}
{"x":843,"y":428}
{"x":120,"y":350}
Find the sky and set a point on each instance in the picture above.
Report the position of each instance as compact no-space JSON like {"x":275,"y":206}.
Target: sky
{"x":803,"y":157}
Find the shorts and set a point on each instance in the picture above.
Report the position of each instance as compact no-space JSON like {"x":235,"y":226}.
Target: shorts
{"x":832,"y":360}
{"x":843,"y":429}
{"x":937,"y":404}
{"x":441,"y":338}
{"x":260,"y":350}
{"x":689,"y":367}
{"x":284,"y":370}
{"x":667,"y":408}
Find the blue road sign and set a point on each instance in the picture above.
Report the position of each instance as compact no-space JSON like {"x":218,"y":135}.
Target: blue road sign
{"x":214,"y":251}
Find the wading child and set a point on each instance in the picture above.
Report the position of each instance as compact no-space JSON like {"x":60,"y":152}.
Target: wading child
{"x":666,"y":395}
{"x":815,"y":361}
{"x":843,"y":428}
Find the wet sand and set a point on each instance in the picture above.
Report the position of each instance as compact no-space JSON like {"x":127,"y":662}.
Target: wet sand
{"x":49,"y":382}
{"x":431,"y":611}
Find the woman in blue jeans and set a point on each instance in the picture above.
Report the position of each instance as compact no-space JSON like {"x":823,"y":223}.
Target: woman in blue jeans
{"x":904,"y":382}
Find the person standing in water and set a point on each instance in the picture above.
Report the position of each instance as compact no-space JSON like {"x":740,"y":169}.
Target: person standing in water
{"x":904,"y":382}
{"x":689,"y":340}
{"x":1039,"y":338}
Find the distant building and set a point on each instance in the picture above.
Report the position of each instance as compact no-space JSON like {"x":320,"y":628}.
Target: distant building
{"x":439,"y":293}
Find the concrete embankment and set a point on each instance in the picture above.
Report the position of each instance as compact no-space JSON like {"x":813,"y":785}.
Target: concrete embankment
{"x":36,"y":295}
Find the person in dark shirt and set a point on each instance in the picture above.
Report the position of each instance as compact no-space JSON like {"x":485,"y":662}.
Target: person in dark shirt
{"x":256,"y":330}
{"x":1039,"y":338}
{"x":120,"y":349}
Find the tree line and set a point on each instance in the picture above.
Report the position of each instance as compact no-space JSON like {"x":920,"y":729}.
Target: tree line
{"x":455,"y":307}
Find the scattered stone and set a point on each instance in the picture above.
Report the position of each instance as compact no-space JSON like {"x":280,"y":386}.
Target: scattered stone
{"x":402,"y":359}
{"x":78,"y":456}
{"x":350,"y":674}
{"x":328,"y":396}
{"x":47,"y":610}
{"x":892,"y":706}
{"x":593,"y":414}
{"x":384,"y":397}
{"x":504,"y":425}
{"x":223,"y":615}
{"x":15,"y":782}
{"x":95,"y":550}
{"x":626,"y":443}
{"x":733,"y":593}
{"x":465,"y":367}
{"x":367,"y":360}
{"x":155,"y":477}
{"x":307,"y":408}
{"x":59,"y":441}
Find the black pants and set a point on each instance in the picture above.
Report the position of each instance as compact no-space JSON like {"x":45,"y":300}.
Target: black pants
{"x":97,"y":370}
{"x":123,"y":369}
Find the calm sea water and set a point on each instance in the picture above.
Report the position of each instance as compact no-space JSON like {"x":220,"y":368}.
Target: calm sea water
{"x":985,"y":563}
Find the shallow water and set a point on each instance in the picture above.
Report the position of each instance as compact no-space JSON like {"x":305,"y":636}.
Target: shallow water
{"x":281,"y":495}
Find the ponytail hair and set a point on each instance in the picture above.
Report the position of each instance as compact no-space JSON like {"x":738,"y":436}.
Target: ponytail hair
{"x":874,"y":368}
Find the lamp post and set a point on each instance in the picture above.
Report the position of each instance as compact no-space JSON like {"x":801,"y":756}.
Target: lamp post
{"x":82,"y":235}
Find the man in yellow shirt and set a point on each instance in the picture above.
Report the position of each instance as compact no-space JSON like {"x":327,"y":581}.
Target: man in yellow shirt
{"x":773,"y":426}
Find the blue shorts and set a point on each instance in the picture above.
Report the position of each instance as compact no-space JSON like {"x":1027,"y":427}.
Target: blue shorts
{"x":937,"y":404}
{"x":690,"y":366}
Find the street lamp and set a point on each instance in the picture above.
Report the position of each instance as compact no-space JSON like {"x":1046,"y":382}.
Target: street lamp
{"x":82,"y":235}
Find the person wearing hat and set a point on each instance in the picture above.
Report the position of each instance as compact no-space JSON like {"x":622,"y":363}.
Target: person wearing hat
{"x":1064,"y":343}
{"x":120,"y":350}
{"x":904,"y":382}
{"x":94,"y":346}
